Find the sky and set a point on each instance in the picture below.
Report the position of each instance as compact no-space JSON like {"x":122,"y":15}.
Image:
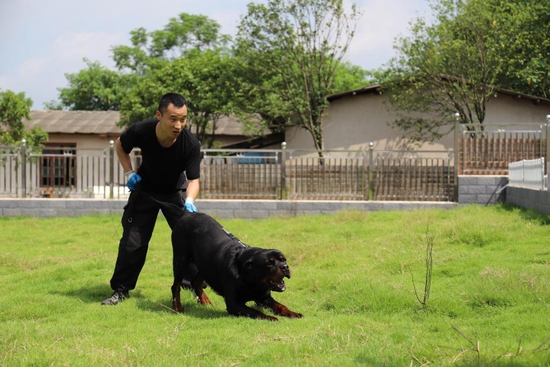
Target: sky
{"x":42,"y":40}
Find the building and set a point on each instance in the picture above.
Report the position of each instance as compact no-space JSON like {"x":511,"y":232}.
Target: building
{"x":94,"y":129}
{"x":356,"y":118}
{"x":77,"y":154}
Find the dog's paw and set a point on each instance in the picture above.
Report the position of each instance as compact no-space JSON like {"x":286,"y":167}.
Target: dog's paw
{"x":177,"y":307}
{"x":203,"y":299}
{"x":294,"y":315}
{"x":268,"y":318}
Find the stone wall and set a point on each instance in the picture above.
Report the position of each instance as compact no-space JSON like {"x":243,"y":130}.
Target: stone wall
{"x":248,"y":209}
{"x":537,"y":200}
{"x":481,"y":190}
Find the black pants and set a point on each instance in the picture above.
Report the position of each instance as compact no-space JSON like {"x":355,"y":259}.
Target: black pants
{"x":138,"y":222}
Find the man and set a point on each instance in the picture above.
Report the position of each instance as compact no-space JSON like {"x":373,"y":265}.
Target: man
{"x":169,"y":151}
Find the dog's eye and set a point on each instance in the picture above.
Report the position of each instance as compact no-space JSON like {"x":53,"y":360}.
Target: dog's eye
{"x":271,"y":261}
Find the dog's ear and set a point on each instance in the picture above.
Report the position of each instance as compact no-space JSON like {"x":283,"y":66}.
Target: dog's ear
{"x":244,"y":265}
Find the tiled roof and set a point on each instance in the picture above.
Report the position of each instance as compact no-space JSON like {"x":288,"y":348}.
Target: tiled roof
{"x":378,"y":89}
{"x":228,"y":126}
{"x":76,"y":122}
{"x":104,"y":122}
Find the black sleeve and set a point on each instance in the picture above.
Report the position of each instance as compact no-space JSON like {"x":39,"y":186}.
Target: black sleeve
{"x":137,"y":134}
{"x":193,"y":170}
{"x":128,"y":139}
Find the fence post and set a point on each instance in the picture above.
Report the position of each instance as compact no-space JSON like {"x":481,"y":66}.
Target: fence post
{"x":23,"y":168}
{"x":283,"y":171}
{"x":456,"y":157}
{"x":370,"y":178}
{"x":547,"y":155}
{"x":111,"y":169}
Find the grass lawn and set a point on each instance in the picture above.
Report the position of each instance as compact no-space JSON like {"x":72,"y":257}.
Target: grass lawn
{"x":357,"y":278}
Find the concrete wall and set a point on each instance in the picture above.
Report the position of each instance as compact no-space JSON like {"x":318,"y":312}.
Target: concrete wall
{"x":537,"y":200}
{"x":247,"y":209}
{"x":481,"y":190}
{"x":478,"y":190}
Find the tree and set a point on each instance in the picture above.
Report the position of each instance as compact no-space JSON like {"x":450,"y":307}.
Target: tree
{"x":524,"y":45}
{"x":185,"y":34}
{"x":96,"y":88}
{"x":445,"y":68}
{"x":458,"y":64}
{"x":349,"y":77}
{"x":181,"y":36}
{"x":204,"y":80}
{"x":190,"y":56}
{"x":291,"y":52}
{"x":14,"y":108}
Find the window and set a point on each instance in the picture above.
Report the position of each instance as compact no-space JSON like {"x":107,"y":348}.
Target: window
{"x":58,"y":165}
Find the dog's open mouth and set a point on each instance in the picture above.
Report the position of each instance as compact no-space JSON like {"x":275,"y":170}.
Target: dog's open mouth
{"x":279,"y":286}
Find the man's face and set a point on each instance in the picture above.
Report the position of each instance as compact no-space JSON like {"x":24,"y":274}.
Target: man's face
{"x":173,"y":120}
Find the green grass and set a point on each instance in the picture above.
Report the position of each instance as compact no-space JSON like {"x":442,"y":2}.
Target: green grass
{"x":352,"y":273}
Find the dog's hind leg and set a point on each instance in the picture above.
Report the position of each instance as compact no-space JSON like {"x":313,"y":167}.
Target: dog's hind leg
{"x":180,"y":266}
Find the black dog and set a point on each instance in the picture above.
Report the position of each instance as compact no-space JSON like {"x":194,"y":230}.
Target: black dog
{"x":237,"y":272}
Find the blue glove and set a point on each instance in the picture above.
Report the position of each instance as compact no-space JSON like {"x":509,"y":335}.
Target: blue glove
{"x":189,"y":206}
{"x":132,"y":179}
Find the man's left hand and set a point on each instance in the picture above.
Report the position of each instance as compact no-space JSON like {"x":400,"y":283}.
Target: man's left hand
{"x":189,"y":205}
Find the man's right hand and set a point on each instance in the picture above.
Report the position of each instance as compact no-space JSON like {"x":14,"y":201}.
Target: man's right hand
{"x":132,"y":179}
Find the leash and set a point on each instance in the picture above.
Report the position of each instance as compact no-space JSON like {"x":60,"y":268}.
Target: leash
{"x":133,"y":198}
{"x":165,"y":204}
{"x":234,"y":238}
{"x":162,"y":203}
{"x":132,"y":202}
{"x":138,"y":191}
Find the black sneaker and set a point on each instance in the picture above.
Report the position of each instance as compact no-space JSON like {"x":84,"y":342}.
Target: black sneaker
{"x":116,"y":297}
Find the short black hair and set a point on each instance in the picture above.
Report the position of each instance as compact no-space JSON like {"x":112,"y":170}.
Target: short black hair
{"x":174,"y":98}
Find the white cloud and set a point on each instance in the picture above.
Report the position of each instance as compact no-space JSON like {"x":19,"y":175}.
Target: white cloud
{"x":381,"y":23}
{"x":42,"y":40}
{"x":94,"y":46}
{"x":39,"y":77}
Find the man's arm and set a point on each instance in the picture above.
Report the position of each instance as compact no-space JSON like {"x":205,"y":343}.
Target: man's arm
{"x":123,"y":157}
{"x":192,"y":191}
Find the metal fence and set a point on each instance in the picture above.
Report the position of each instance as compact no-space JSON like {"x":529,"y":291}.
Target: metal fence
{"x":487,"y":149}
{"x":60,"y":172}
{"x":278,"y":174}
{"x":239,"y":174}
{"x":528,"y":174}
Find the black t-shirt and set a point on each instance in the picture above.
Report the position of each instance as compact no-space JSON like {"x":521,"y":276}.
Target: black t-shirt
{"x":161,"y":168}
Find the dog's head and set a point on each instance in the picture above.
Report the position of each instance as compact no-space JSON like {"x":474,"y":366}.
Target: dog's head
{"x":266,"y":268}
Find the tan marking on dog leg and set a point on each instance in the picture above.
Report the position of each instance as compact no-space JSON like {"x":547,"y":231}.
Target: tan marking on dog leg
{"x":280,"y":309}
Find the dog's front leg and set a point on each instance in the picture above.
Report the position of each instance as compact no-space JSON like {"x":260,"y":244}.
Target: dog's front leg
{"x":197,"y":285}
{"x":241,"y":309}
{"x":279,"y":308}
